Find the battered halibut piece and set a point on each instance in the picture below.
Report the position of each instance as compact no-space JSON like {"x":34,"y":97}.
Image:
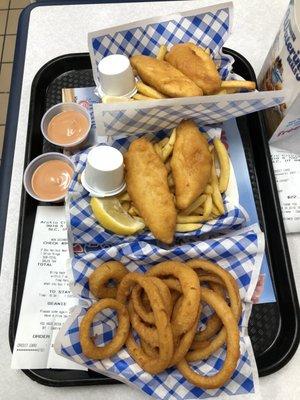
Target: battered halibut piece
{"x":164,"y":78}
{"x":191,"y":164}
{"x":147,"y":185}
{"x":195,"y":63}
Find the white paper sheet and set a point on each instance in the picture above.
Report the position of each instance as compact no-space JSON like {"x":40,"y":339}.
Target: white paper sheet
{"x":46,"y":298}
{"x":287,"y":172}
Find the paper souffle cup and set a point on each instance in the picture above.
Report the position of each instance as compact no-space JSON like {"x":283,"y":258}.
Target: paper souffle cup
{"x":116,"y":76}
{"x":104,"y":172}
{"x":34,"y":164}
{"x":59,"y":108}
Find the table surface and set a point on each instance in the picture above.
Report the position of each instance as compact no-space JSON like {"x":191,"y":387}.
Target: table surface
{"x":57,"y":30}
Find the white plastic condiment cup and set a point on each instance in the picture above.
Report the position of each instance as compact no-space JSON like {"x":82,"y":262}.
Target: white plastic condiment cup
{"x":116,"y":76}
{"x":104,"y":172}
{"x":59,"y":108}
{"x":34,"y":164}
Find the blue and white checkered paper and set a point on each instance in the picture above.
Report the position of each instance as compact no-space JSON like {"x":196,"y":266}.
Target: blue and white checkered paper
{"x":86,"y":230}
{"x":240,"y":254}
{"x":207,"y":27}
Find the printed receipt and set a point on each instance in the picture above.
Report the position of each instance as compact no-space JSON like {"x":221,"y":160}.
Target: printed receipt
{"x":46,"y":298}
{"x":287,"y":172}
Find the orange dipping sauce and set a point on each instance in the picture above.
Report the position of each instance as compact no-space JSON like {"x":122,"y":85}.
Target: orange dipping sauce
{"x":51,"y":179}
{"x":67,"y":127}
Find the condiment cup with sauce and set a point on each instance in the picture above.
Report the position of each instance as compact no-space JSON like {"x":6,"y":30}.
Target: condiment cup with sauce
{"x":104,"y":172}
{"x":116,"y":76}
{"x":48,"y":177}
{"x":66,"y":124}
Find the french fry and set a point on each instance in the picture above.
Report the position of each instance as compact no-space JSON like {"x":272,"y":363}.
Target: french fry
{"x":210,"y":147}
{"x":222,"y":91}
{"x":199,"y":210}
{"x":158,"y":150}
{"x":163,"y":142}
{"x":207,"y":207}
{"x":216,"y":195}
{"x":162,"y":52}
{"x":198,"y":202}
{"x":247,"y":85}
{"x":148,"y":91}
{"x":224,"y":163}
{"x":208,"y":189}
{"x":215,"y":211}
{"x":124,"y":197}
{"x":139,"y":96}
{"x":167,"y":150}
{"x":187,"y":219}
{"x":207,"y":51}
{"x":187,"y":227}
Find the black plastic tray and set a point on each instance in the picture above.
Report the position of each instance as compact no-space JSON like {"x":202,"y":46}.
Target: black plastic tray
{"x":273,"y":327}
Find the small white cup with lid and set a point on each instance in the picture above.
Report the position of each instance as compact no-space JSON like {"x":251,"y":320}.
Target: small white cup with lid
{"x":116,"y":76}
{"x":104,"y":172}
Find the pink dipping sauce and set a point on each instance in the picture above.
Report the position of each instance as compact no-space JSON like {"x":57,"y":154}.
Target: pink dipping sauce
{"x":51,"y":179}
{"x":67,"y":127}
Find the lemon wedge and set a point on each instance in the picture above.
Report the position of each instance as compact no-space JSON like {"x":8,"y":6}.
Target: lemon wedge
{"x":111,"y":215}
{"x":114,"y":99}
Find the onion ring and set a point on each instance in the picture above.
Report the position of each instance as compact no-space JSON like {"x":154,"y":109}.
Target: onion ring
{"x":232,"y":343}
{"x":214,"y":324}
{"x":88,"y":346}
{"x":184,"y":342}
{"x":162,"y":322}
{"x":187,"y":312}
{"x":138,"y":304}
{"x":99,"y":278}
{"x":203,"y":349}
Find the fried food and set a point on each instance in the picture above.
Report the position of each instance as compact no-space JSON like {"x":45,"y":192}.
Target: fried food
{"x":147,"y":185}
{"x":205,"y":207}
{"x":149,"y":91}
{"x":139,"y":96}
{"x":195,"y":63}
{"x":191,"y":164}
{"x":187,"y":312}
{"x":232,"y":345}
{"x":138,"y":306}
{"x":102,"y":275}
{"x":162,"y":52}
{"x":88,"y":346}
{"x":164,"y":77}
{"x":216,"y":194}
{"x":162,"y":321}
{"x":163,"y":308}
{"x":224,"y":163}
{"x":236,"y":86}
{"x":203,"y":349}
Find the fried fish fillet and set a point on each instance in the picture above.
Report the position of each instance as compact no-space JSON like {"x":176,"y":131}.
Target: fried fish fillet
{"x":195,"y":63}
{"x":147,"y":185}
{"x":164,"y":78}
{"x":191,"y":163}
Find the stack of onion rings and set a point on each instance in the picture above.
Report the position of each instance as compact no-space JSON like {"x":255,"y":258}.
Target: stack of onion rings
{"x":163,"y":307}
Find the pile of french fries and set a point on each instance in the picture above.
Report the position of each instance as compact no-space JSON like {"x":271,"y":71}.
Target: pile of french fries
{"x":209,"y":205}
{"x":145,"y":92}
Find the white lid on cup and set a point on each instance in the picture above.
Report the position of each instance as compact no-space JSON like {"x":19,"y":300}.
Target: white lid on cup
{"x":104,"y":172}
{"x":116,"y":76}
